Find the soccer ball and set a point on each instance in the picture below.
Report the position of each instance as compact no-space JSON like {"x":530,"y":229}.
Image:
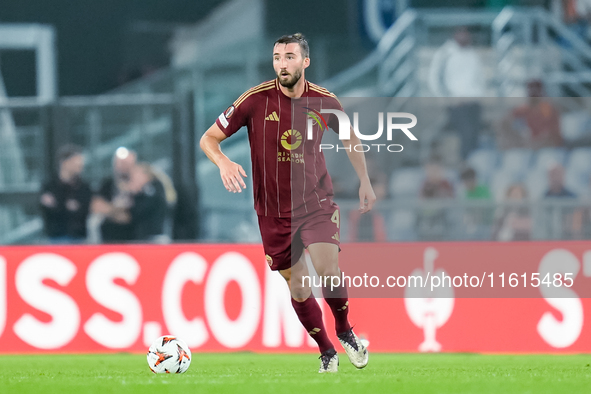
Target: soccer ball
{"x":168,"y":354}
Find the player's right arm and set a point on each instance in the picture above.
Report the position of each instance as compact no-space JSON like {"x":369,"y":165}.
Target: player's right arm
{"x":230,"y":172}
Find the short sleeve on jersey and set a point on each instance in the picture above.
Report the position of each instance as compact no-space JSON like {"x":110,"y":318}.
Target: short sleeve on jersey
{"x":333,"y":121}
{"x":232,"y":119}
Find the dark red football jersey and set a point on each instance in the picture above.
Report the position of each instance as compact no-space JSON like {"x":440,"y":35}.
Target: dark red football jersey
{"x":289,"y":170}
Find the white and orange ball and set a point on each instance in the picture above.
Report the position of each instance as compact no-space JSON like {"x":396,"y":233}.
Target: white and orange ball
{"x":169,"y":354}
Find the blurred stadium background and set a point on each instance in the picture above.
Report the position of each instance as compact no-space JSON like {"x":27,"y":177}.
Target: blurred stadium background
{"x":152,"y":77}
{"x":501,"y":90}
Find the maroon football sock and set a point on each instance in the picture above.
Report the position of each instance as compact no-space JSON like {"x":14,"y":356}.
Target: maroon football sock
{"x":310,"y":315}
{"x":338,"y":301}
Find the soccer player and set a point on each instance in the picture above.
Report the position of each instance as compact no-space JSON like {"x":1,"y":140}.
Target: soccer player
{"x":293,"y":191}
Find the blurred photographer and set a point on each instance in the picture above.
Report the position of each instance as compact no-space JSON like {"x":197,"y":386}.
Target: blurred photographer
{"x":65,"y":200}
{"x":149,"y":209}
{"x":114,"y":199}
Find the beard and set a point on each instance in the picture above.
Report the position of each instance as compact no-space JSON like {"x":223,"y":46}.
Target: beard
{"x":291,"y":80}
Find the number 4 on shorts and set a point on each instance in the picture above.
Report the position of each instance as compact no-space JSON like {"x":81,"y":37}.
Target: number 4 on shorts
{"x":335,"y":218}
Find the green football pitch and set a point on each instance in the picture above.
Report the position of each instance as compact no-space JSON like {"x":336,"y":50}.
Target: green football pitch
{"x":280,"y":373}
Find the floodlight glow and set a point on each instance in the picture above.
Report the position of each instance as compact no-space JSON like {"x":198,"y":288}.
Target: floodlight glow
{"x":122,"y":153}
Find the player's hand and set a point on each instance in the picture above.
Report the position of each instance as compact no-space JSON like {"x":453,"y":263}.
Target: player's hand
{"x":232,"y":174}
{"x":72,"y":205}
{"x":367,"y":197}
{"x":48,"y":200}
{"x":121,"y":216}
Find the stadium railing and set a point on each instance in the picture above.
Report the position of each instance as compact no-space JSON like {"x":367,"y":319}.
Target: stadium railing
{"x":533,"y":42}
{"x":99,"y":124}
{"x":460,"y":220}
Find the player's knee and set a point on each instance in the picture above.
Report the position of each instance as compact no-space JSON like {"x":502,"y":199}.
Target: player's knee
{"x":329,"y":272}
{"x":300,"y":294}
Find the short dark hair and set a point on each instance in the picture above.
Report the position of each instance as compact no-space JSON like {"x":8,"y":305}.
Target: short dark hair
{"x":67,"y":151}
{"x":468,"y":174}
{"x":297,"y":38}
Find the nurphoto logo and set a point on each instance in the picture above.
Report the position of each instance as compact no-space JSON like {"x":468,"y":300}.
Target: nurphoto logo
{"x":315,"y":116}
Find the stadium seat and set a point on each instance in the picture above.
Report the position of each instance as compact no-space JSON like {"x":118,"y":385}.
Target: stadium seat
{"x":578,"y":182}
{"x":406,"y":182}
{"x":537,"y":183}
{"x":580,"y":161}
{"x":453,"y":177}
{"x":500,"y":182}
{"x":548,"y":156}
{"x":484,"y":162}
{"x":574,"y":125}
{"x":516,"y":161}
{"x":402,"y":226}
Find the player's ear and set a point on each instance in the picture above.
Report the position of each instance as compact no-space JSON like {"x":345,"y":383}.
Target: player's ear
{"x":306,"y":62}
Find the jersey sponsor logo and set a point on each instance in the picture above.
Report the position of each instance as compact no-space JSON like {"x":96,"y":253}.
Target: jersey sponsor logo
{"x":229,"y":112}
{"x":273,"y":117}
{"x":295,"y":158}
{"x":291,"y":139}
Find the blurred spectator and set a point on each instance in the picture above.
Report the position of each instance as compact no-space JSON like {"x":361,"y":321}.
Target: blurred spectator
{"x":511,"y":134}
{"x":582,"y":219}
{"x":170,"y":192}
{"x":114,"y":199}
{"x":65,"y":199}
{"x":149,"y":209}
{"x":474,"y":190}
{"x":477,"y":219}
{"x":576,"y":15}
{"x":172,"y":199}
{"x":562,"y":217}
{"x":433,"y":222}
{"x":538,"y":121}
{"x":513,"y":221}
{"x":186,"y":213}
{"x":436,"y":185}
{"x":556,"y":186}
{"x":457,"y":71}
{"x":371,"y":226}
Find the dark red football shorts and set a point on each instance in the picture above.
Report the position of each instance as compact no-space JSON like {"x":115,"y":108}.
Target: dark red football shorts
{"x":284,"y":239}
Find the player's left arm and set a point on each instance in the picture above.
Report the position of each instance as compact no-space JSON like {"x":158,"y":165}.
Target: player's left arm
{"x":367,"y":197}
